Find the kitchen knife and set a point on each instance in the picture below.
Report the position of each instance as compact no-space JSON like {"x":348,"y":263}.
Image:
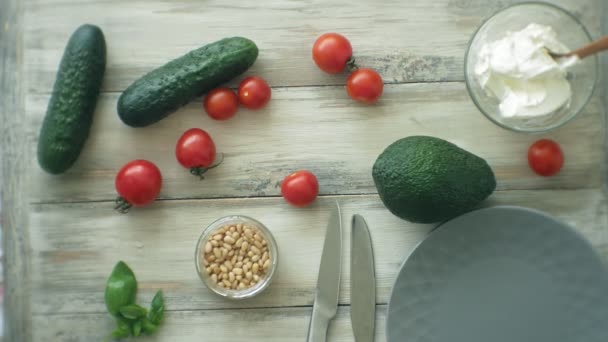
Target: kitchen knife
{"x":325,"y":306}
{"x":362,"y":282}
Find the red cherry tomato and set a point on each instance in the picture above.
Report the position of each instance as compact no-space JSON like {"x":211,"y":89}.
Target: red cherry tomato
{"x":138,"y":183}
{"x":364,"y":85}
{"x":545,"y":157}
{"x":331,"y":52}
{"x":300,"y":188}
{"x":195,"y":150}
{"x":254,"y":92}
{"x":221,"y":103}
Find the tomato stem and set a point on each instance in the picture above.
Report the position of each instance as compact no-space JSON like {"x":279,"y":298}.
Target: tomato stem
{"x":122,"y":206}
{"x":351,"y":65}
{"x":199,"y":171}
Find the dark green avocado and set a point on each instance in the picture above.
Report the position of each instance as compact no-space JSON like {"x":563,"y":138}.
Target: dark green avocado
{"x":425,"y":179}
{"x":167,"y":88}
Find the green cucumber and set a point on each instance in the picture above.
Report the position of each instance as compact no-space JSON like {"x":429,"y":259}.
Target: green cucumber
{"x":69,"y":114}
{"x":163,"y":90}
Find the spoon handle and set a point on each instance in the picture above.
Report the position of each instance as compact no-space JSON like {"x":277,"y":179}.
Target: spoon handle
{"x":591,"y":48}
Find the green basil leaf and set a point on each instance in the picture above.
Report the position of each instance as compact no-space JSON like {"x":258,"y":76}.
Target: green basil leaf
{"x":120,"y":332}
{"x":157,"y":308}
{"x":133,"y":311}
{"x":121,"y":288}
{"x":148,"y":327}
{"x":136,"y":328}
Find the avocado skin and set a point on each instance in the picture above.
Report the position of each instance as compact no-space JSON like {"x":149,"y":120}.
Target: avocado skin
{"x":425,"y":179}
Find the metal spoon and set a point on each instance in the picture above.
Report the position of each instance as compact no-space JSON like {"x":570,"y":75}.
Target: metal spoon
{"x":587,"y":50}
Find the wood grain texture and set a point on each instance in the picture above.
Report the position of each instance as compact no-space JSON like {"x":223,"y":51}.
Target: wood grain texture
{"x":319,"y":129}
{"x":13,"y":208}
{"x":62,"y":237}
{"x":406,"y":41}
{"x":76,"y":245}
{"x":273,"y":325}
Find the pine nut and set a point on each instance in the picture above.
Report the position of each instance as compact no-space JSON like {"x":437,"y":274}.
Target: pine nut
{"x":214,"y":243}
{"x":255,"y":250}
{"x":239,"y":277}
{"x":265,"y":256}
{"x":241,"y":286}
{"x":240,"y":258}
{"x":258,"y":244}
{"x":239,"y":227}
{"x":256,"y":277}
{"x":238,"y":264}
{"x":266,"y":264}
{"x":239,"y":242}
{"x":244,"y":246}
{"x":231,"y":276}
{"x":211,"y":258}
{"x":209,"y":269}
{"x":231,"y":253}
{"x":217,"y":253}
{"x":255,"y":258}
{"x":224,"y":276}
{"x":250,"y":253}
{"x":229,"y":239}
{"x":249,"y":275}
{"x":235,"y":235}
{"x":258,"y":237}
{"x":223,"y":268}
{"x":255,"y":268}
{"x":208,"y":247}
{"x":228,"y":265}
{"x":214,"y":278}
{"x":246,"y":267}
{"x":234,"y":259}
{"x":220,"y":284}
{"x":238,"y":271}
{"x":217,"y":237}
{"x":205,"y":262}
{"x":224,"y":252}
{"x":226,"y":283}
{"x":246,"y":261}
{"x":246,"y":281}
{"x":228,"y":247}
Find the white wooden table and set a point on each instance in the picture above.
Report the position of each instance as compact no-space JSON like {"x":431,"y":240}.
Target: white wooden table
{"x":61,"y":237}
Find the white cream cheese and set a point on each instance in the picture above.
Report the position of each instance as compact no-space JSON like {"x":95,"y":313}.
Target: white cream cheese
{"x":518,"y":70}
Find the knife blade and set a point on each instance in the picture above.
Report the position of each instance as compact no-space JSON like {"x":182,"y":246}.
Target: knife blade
{"x":362,"y":282}
{"x":325,"y":305}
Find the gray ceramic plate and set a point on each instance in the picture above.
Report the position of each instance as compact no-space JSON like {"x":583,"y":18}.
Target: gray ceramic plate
{"x":502,"y":274}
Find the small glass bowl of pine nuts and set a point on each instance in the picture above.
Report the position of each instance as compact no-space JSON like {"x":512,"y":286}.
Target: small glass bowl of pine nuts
{"x":236,"y":257}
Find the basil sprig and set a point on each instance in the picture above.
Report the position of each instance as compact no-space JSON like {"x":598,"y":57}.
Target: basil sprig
{"x":131,"y":319}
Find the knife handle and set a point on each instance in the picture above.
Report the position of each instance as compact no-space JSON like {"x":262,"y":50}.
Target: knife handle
{"x":317,"y":331}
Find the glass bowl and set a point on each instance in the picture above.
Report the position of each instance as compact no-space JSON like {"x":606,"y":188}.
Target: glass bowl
{"x":570,"y":31}
{"x":234,"y":221}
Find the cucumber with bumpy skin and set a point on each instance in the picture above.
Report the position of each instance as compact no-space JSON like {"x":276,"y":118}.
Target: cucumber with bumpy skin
{"x":69,"y":114}
{"x":165,"y":89}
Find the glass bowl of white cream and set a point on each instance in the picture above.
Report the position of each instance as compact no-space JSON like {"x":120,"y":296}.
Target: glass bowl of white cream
{"x":514,"y":81}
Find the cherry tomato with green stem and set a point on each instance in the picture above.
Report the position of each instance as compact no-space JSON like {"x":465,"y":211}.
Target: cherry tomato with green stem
{"x":332,"y":52}
{"x":364,"y":85}
{"x":138,"y":183}
{"x":195,"y":150}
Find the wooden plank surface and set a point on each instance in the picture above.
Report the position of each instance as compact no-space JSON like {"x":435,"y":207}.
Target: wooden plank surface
{"x":312,"y":128}
{"x":13,"y":201}
{"x":61,"y":238}
{"x":277,"y":325}
{"x":76,"y":245}
{"x":407,"y":41}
